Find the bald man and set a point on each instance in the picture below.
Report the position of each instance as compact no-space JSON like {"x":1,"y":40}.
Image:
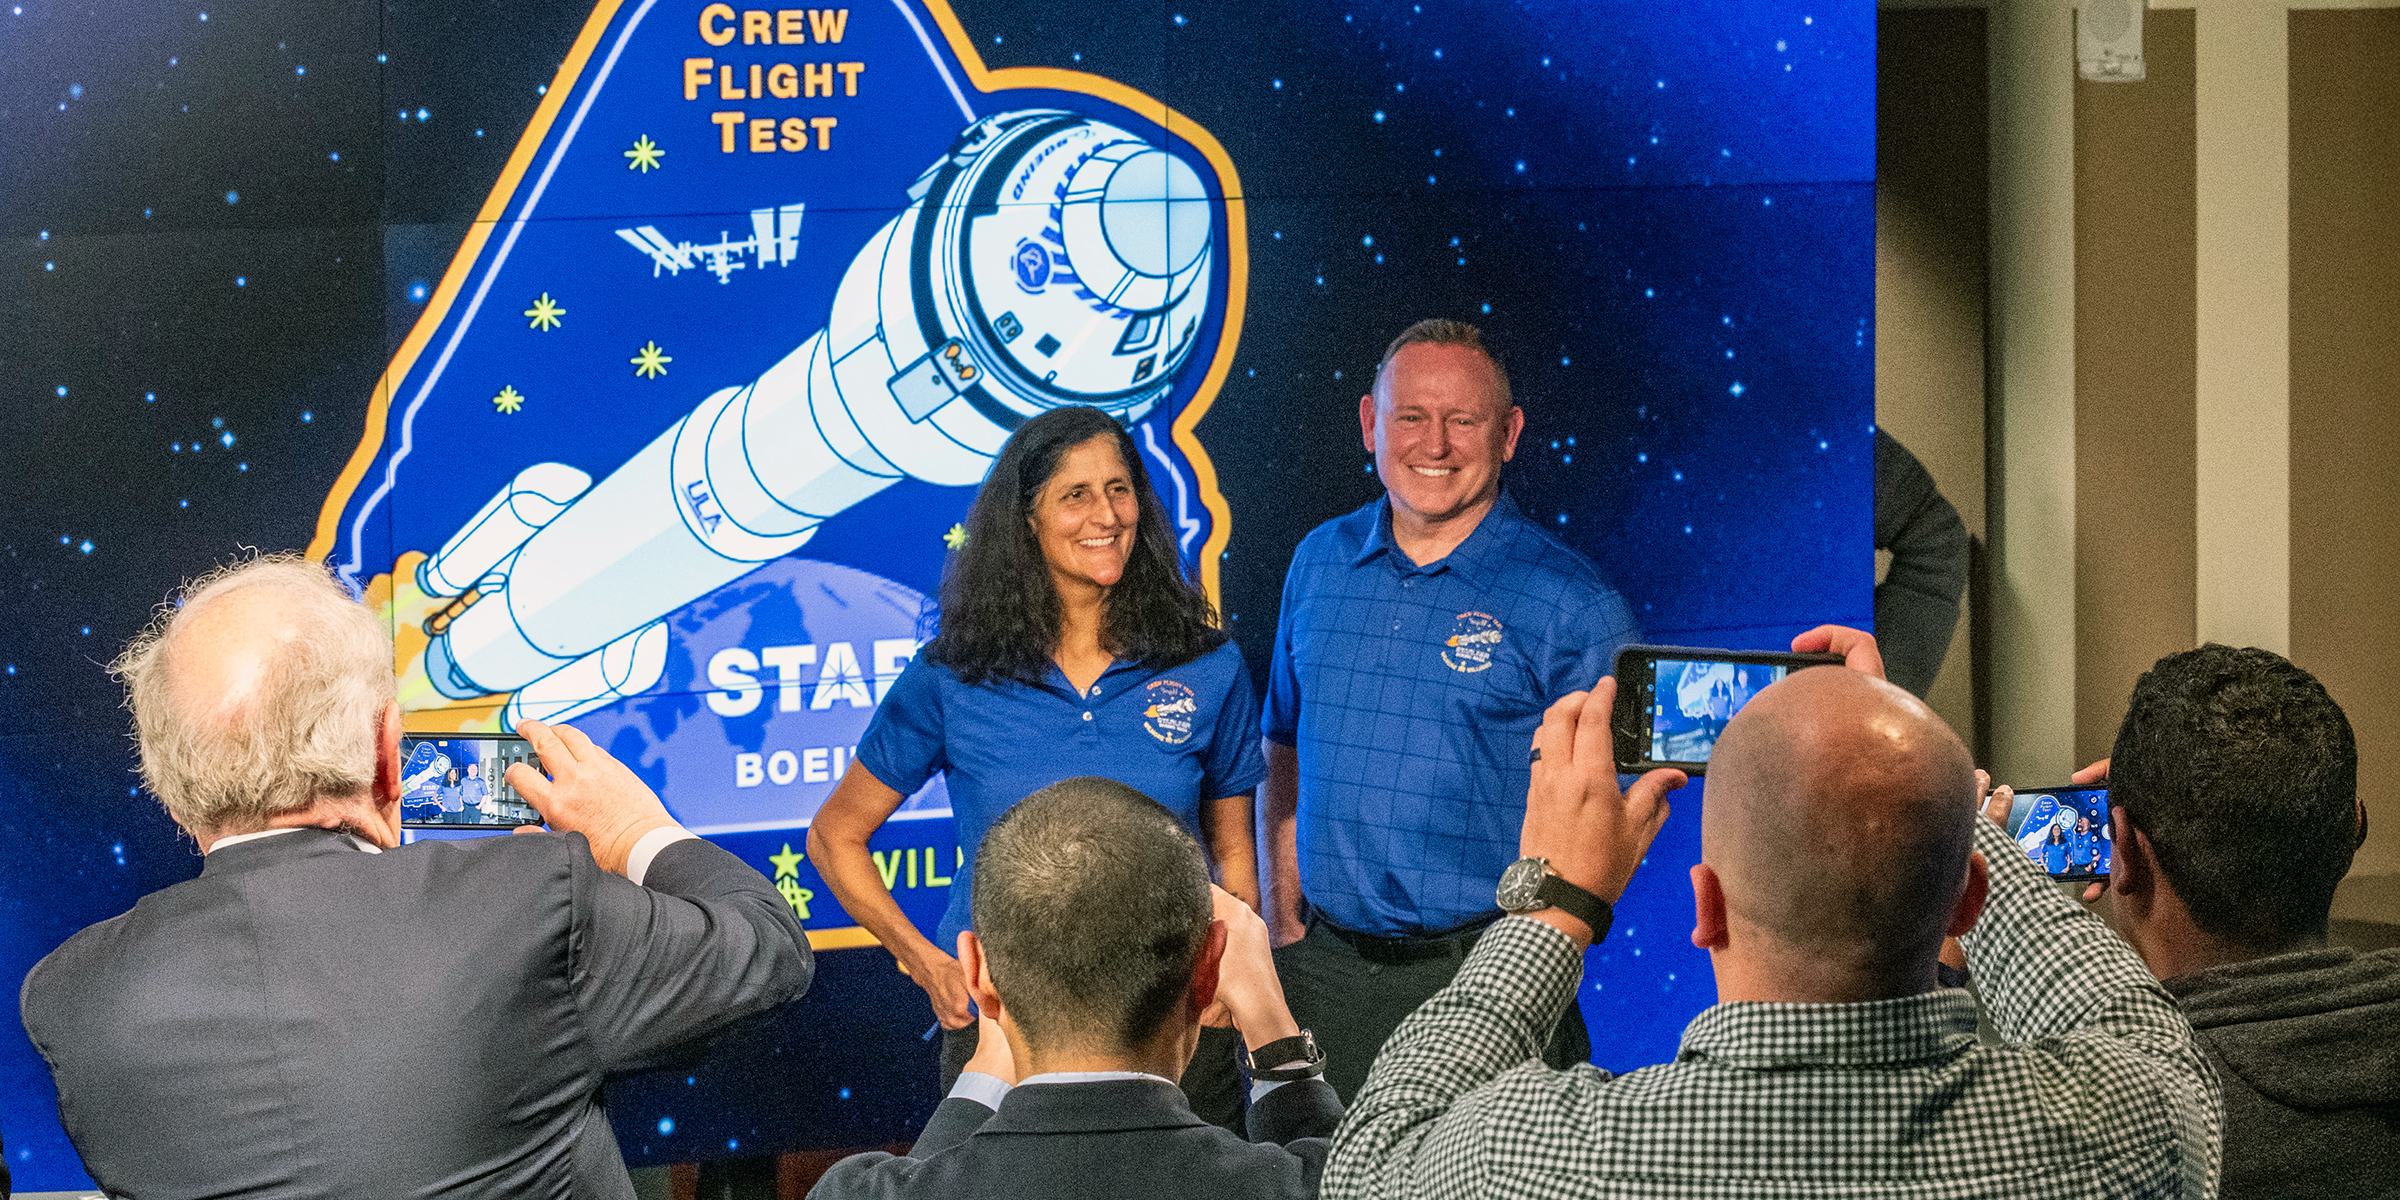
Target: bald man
{"x":1839,"y":848}
{"x":326,"y":1012}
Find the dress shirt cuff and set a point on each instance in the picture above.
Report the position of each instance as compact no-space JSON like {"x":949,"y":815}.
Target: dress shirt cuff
{"x":637,"y":863}
{"x":986,"y":1090}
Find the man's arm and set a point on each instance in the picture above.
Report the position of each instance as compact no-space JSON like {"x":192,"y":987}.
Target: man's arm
{"x":701,"y":942}
{"x":2047,"y":967}
{"x":2050,"y":971}
{"x":1416,"y":1128}
{"x":1282,"y":802}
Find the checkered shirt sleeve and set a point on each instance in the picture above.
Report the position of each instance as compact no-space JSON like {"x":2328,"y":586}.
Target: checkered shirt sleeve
{"x":2099,"y":1092}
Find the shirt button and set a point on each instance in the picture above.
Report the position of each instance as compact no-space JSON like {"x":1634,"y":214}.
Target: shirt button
{"x":1087,"y":716}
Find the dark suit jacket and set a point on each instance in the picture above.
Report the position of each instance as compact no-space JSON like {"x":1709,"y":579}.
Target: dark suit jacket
{"x":1131,"y":1137}
{"x":307,"y":1020}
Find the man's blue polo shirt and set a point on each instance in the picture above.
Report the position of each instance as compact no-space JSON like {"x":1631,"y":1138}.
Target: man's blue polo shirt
{"x":1412,"y":694}
{"x":1180,"y":736}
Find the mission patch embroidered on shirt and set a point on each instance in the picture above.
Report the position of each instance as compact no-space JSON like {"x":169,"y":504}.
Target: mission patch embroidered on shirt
{"x":1168,"y":711}
{"x":1473,"y":638}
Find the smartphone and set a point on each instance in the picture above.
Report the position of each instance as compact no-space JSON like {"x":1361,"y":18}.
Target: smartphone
{"x":1674,"y":701}
{"x":460,"y":781}
{"x":2064,"y":830}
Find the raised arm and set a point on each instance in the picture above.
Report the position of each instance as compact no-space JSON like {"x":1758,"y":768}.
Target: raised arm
{"x":2051,"y":972}
{"x":1415,"y":1111}
{"x":700,"y":942}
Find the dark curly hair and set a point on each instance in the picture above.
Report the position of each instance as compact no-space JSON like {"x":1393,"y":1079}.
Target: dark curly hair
{"x":2244,"y":773}
{"x":999,"y":609}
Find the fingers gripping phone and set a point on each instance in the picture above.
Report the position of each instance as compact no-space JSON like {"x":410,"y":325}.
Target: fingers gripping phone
{"x":2064,"y":830}
{"x":1674,"y":701}
{"x":460,"y":781}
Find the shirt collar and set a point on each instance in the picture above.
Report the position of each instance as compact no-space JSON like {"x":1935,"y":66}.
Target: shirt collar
{"x":1468,"y":556}
{"x":1056,"y":680}
{"x":1760,"y":1036}
{"x":356,"y":843}
{"x":1091,"y":1077}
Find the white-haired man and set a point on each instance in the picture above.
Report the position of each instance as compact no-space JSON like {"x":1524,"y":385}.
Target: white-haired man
{"x":324,"y":1012}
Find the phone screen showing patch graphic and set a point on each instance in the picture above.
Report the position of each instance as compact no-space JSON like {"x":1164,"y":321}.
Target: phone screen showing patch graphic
{"x":462,"y":783}
{"x":1695,"y":698}
{"x":2064,"y":830}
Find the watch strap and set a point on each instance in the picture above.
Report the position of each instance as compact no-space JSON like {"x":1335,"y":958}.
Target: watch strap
{"x":1300,"y":1048}
{"x":1578,"y":903}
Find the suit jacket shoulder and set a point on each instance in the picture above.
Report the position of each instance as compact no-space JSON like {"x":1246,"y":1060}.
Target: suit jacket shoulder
{"x":1114,"y":1138}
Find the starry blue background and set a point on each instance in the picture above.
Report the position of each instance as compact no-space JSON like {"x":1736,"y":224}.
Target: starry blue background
{"x":218,"y":228}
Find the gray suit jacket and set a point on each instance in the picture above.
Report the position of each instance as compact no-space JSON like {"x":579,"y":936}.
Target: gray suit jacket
{"x":306,"y":1020}
{"x":1128,"y":1137}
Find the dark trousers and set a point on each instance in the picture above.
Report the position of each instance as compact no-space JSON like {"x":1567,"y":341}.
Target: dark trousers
{"x":1212,"y":1083}
{"x":1353,"y":989}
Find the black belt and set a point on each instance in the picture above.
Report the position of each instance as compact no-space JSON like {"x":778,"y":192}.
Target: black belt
{"x":1453,"y":942}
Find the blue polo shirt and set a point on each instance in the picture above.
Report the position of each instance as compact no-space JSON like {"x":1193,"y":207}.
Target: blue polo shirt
{"x":1180,"y":736}
{"x":1412,"y":694}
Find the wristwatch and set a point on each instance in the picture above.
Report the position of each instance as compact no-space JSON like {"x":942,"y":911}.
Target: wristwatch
{"x":1301,"y":1048}
{"x":1529,"y":885}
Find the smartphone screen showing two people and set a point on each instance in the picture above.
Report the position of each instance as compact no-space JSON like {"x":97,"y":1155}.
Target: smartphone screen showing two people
{"x":2064,"y":830}
{"x":462,"y":782}
{"x":1693,"y":699}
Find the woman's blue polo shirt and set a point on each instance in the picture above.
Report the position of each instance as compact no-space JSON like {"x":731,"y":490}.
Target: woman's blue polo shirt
{"x":1180,"y":736}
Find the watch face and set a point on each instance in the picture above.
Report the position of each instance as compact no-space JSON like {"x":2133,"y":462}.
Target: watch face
{"x":1521,"y":885}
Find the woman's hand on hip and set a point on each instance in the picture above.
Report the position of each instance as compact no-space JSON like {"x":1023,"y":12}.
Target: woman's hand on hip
{"x":945,"y":984}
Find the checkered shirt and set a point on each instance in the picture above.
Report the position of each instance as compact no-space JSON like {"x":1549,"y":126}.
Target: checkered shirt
{"x":2097,"y":1088}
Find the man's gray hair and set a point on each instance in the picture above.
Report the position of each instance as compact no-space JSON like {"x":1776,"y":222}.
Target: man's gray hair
{"x":1441,"y":331}
{"x":226,"y":761}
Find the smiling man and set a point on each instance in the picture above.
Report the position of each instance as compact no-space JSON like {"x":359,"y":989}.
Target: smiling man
{"x":1420,"y":640}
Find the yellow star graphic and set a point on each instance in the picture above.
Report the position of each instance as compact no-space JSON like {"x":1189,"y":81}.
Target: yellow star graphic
{"x":545,"y":312}
{"x":509,"y":400}
{"x":645,"y":155}
{"x":787,"y":863}
{"x":650,"y":364}
{"x":955,"y":536}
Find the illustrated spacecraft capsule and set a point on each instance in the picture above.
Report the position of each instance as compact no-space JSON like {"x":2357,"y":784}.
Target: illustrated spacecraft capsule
{"x":1047,"y":259}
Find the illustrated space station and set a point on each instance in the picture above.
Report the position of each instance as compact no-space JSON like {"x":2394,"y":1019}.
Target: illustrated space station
{"x":1046,"y":260}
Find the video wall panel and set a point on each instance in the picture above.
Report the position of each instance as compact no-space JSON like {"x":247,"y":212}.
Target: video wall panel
{"x":684,"y":332}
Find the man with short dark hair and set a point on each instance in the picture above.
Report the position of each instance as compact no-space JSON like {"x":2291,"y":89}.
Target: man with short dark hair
{"x":326,"y":1012}
{"x":1839,"y":847}
{"x":1098,"y":943}
{"x":1419,"y":641}
{"x":2235,"y":811}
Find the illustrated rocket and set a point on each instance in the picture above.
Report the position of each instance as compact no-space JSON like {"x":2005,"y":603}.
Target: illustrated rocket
{"x":1047,"y":259}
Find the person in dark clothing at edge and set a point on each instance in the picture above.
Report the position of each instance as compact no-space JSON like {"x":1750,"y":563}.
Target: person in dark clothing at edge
{"x":1916,"y":603}
{"x":2235,"y":812}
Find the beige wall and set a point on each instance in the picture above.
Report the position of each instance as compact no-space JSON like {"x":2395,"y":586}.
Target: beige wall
{"x":1930,"y":233}
{"x":2134,"y":378}
{"x":2157,"y":536}
{"x":2345,"y":419}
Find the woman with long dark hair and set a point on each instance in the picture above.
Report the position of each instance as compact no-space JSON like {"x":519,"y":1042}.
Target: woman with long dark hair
{"x":453,"y":798}
{"x":1070,"y":644}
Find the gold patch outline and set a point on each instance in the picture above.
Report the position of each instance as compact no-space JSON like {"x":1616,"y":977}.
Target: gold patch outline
{"x":1184,"y":429}
{"x":504,"y":190}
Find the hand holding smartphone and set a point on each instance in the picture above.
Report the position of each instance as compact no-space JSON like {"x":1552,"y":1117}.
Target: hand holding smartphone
{"x":1673,"y":701}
